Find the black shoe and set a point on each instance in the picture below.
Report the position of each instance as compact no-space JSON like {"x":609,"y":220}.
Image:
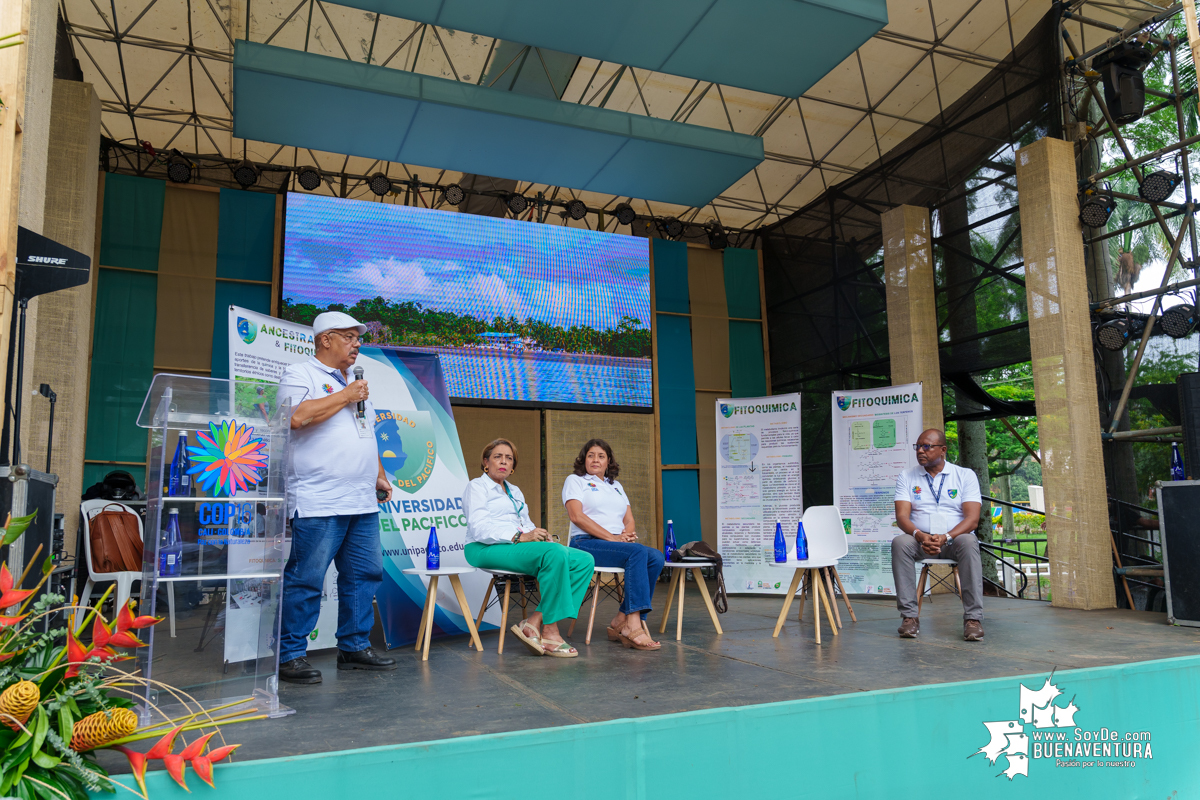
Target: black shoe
{"x":364,"y":659}
{"x":298,"y":670}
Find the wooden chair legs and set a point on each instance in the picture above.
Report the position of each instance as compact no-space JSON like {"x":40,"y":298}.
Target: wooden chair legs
{"x":921,"y":587}
{"x":845,"y":597}
{"x":925,"y":575}
{"x":787,"y":602}
{"x":670,"y":600}
{"x":814,"y":584}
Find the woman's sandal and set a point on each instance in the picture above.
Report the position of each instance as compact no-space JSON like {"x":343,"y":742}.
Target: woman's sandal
{"x":560,"y":650}
{"x":534,"y":642}
{"x":613,"y":634}
{"x":632,"y":641}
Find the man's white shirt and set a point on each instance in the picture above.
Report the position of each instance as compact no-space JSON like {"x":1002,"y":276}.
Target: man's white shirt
{"x":942,"y":494}
{"x":332,"y":470}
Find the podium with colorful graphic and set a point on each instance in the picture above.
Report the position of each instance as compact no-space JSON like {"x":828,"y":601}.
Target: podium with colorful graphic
{"x":220,"y":643}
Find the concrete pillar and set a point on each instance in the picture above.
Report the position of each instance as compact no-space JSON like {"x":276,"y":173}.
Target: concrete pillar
{"x":62,"y":337}
{"x":1064,"y":378}
{"x":911,"y":308}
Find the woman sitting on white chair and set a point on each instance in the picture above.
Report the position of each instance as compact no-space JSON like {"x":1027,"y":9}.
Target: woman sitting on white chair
{"x":602,"y":525}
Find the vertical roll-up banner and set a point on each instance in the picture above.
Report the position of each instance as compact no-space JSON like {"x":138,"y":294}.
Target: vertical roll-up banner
{"x":873,"y":435}
{"x":758,"y":482}
{"x":419,"y":448}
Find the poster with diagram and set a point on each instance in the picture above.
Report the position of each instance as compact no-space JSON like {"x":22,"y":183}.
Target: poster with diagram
{"x":873,"y":434}
{"x":758,"y":482}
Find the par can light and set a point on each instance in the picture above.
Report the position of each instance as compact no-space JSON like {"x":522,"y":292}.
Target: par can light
{"x":1178,"y":322}
{"x":453,"y":194}
{"x":625,"y":214}
{"x":673,"y":227}
{"x":379,"y":183}
{"x":245,"y":174}
{"x":517,"y":203}
{"x":1113,"y":335}
{"x":717,"y":238}
{"x":1158,"y":186}
{"x":179,"y":170}
{"x":1096,"y":209}
{"x":308,"y":178}
{"x":576,"y":209}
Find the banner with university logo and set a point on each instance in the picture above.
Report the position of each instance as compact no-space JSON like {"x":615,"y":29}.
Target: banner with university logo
{"x":758,"y":482}
{"x":419,"y":448}
{"x":873,"y":434}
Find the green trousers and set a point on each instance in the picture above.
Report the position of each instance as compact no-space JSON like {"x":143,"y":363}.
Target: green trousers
{"x":563,"y":573}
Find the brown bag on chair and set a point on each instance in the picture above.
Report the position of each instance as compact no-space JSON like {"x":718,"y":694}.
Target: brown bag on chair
{"x":116,"y":543}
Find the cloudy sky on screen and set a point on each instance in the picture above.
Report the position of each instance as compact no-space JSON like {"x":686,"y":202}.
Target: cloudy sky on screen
{"x":342,"y":251}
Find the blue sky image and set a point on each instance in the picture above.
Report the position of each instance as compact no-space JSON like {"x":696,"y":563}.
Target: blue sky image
{"x":342,"y":251}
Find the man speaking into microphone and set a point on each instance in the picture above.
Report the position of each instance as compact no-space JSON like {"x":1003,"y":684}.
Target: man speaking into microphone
{"x":333,"y":477}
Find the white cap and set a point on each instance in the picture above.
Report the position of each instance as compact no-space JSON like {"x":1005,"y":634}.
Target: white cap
{"x":336,"y":321}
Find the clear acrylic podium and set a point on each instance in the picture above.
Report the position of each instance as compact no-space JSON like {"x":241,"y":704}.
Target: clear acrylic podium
{"x":218,"y":641}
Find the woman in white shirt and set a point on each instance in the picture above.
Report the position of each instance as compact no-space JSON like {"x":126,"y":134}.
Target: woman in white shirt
{"x":500,"y":535}
{"x":602,"y":525}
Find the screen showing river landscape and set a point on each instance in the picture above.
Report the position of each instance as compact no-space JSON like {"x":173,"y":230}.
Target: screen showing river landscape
{"x":518,"y":311}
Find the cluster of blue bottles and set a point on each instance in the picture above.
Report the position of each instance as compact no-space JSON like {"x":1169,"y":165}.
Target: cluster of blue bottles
{"x":170,"y":548}
{"x":780,"y":544}
{"x":669,"y":540}
{"x":433,"y":551}
{"x":1177,"y":473}
{"x":179,"y":483}
{"x":801,"y":542}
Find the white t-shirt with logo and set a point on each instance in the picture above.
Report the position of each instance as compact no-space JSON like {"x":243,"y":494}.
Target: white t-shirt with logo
{"x":603,"y":502}
{"x":951,"y":487}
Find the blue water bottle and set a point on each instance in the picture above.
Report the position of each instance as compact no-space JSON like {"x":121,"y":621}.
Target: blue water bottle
{"x":174,"y":483}
{"x":669,"y":540}
{"x":801,"y":542}
{"x":780,"y":544}
{"x":170,"y":548}
{"x":185,"y":463}
{"x":1177,"y":473}
{"x":433,"y":551}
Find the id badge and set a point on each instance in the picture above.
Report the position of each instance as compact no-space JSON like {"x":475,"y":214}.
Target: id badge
{"x":937,"y":524}
{"x":364,"y":430}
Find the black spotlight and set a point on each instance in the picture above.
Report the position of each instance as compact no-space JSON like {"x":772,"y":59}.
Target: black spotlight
{"x":179,"y":169}
{"x":1096,"y":209}
{"x":576,"y":209}
{"x":517,"y":203}
{"x":1179,"y":321}
{"x":717,"y":238}
{"x":380,"y":184}
{"x":1158,"y":186}
{"x":245,"y":174}
{"x":1113,"y":335}
{"x":308,"y":178}
{"x":1121,"y":72}
{"x":673,"y":227}
{"x":453,"y":194}
{"x":625,"y":214}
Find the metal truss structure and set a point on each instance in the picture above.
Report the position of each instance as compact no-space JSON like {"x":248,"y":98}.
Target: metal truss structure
{"x":163,"y":71}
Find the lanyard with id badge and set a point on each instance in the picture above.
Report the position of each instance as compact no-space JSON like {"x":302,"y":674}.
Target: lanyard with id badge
{"x":360,"y":420}
{"x":937,"y":522}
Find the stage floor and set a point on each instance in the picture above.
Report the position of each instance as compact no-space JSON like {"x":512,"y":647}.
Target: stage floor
{"x":458,"y":692}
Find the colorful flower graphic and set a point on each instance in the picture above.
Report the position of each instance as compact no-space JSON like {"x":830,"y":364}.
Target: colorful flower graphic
{"x":227,"y":459}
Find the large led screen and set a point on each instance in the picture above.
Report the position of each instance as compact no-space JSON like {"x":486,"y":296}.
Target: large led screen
{"x":519,"y":312}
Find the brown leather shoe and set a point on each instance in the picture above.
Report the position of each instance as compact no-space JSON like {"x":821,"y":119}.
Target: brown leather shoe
{"x":972,"y":630}
{"x":909,"y":628}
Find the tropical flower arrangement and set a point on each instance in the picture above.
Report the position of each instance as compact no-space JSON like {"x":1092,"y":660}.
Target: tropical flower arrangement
{"x":62,"y":700}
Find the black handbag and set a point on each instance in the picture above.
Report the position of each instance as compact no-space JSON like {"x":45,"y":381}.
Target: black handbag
{"x":697,"y":550}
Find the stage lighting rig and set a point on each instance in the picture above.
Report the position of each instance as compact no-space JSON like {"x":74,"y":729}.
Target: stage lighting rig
{"x":625,"y":214}
{"x":1121,"y":73}
{"x":1178,"y":322}
{"x":1097,"y":207}
{"x":1114,"y":334}
{"x":717,"y":238}
{"x":179,"y":169}
{"x":517,"y":203}
{"x":453,"y":194}
{"x":576,"y":209}
{"x":308,"y":178}
{"x":673,"y":227}
{"x":1158,"y":186}
{"x":245,"y":174}
{"x":379,"y":183}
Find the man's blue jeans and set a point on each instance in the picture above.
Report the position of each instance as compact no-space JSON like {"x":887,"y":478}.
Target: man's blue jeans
{"x":642,"y":565}
{"x":352,"y":542}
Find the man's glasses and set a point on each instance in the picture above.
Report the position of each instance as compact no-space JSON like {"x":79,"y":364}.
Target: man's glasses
{"x":352,"y":338}
{"x":925,"y":448}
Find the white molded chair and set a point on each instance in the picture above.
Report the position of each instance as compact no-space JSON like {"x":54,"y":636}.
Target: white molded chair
{"x":124,"y":579}
{"x":613,"y":587}
{"x":826,"y":545}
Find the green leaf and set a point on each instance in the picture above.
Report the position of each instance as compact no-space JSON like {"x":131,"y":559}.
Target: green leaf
{"x":66,"y":723}
{"x":47,"y":566}
{"x":44,"y":759}
{"x":16,"y":527}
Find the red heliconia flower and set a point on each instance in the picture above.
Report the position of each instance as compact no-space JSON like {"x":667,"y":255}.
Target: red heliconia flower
{"x":77,"y":654}
{"x":137,"y":765}
{"x":203,"y":764}
{"x":175,"y":766}
{"x":8,"y":622}
{"x":164,"y":745}
{"x":100,"y":633}
{"x":193,"y":749}
{"x":8,"y":595}
{"x":127,"y":621}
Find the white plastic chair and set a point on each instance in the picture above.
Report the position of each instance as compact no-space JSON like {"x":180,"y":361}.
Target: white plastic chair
{"x":124,"y":579}
{"x":938,"y":580}
{"x":826,"y":545}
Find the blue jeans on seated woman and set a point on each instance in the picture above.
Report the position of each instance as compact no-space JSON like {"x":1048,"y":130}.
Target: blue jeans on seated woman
{"x":642,"y":565}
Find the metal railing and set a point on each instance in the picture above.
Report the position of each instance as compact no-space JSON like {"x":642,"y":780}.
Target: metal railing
{"x":1017,"y":563}
{"x":1137,"y":546}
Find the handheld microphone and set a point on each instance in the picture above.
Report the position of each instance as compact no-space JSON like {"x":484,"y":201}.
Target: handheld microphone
{"x":362,"y":404}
